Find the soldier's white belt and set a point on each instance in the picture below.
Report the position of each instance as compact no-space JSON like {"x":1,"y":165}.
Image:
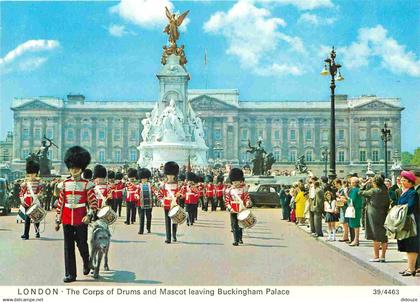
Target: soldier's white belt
{"x":75,"y":206}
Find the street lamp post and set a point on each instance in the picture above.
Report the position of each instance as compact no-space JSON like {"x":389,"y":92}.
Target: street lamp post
{"x":332,"y":69}
{"x":386,"y":137}
{"x":325,"y":158}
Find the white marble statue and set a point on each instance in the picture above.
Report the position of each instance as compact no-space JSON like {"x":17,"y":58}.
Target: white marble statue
{"x":147,"y":123}
{"x":170,"y":124}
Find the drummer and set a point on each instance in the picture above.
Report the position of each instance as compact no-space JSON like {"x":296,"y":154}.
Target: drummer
{"x":169,"y":192}
{"x":236,"y":199}
{"x":30,"y":189}
{"x":102,"y":189}
{"x":145,"y":202}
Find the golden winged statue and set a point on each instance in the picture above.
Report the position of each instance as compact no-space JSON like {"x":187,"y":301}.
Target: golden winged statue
{"x":172,"y":28}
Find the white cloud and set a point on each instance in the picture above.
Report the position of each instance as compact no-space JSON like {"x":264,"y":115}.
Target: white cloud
{"x":313,"y":19}
{"x":31,"y":63}
{"x":117,"y":30}
{"x":253,"y":36}
{"x":303,"y":4}
{"x":375,"y":42}
{"x":29,"y":46}
{"x":149,"y":14}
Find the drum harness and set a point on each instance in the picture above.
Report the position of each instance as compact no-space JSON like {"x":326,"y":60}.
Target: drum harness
{"x":241,"y":207}
{"x":35,"y":199}
{"x":101,"y":196}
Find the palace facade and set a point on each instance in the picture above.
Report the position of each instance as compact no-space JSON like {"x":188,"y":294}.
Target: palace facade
{"x":111,"y":130}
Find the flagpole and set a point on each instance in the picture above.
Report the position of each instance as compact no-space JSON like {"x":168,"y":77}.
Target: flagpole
{"x":205,"y":67}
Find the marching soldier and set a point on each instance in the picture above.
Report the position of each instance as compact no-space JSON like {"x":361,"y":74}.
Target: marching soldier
{"x":182,"y":182}
{"x":87,"y":174}
{"x":201,"y":199}
{"x":219,"y":192}
{"x":132,"y":197}
{"x":146,"y":192}
{"x":102,"y":189}
{"x":76,"y":194}
{"x":190,"y":191}
{"x":236,"y":199}
{"x":111,"y":181}
{"x":117,"y":192}
{"x":30,"y":189}
{"x":210,"y":192}
{"x":169,"y":193}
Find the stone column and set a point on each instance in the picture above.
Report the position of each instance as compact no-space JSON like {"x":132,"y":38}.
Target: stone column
{"x":253,"y":130}
{"x":17,"y":137}
{"x":354,"y":139}
{"x":31,"y":134}
{"x":44,"y":126}
{"x":285,"y":140}
{"x":268,"y":128}
{"x":237,"y":138}
{"x":124,"y":155}
{"x":381,"y":143}
{"x":210,"y":136}
{"x":317,"y":139}
{"x":109,"y":144}
{"x":301,"y":137}
{"x":61,"y":144}
{"x":78,"y":129}
{"x":94,"y":137}
{"x":369,"y":139}
{"x":396,"y":134}
{"x":224,"y":139}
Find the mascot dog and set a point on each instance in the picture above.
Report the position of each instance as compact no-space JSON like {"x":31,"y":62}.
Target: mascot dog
{"x":100,"y":241}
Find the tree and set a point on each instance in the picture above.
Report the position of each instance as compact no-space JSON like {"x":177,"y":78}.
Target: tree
{"x":415,"y":160}
{"x":406,"y":158}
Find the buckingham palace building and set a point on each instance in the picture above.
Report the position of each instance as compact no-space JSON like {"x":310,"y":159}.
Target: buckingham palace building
{"x":110,"y":130}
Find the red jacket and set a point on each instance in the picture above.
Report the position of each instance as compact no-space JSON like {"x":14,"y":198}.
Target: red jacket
{"x":232,"y":200}
{"x":74,"y":198}
{"x":200,"y":190}
{"x":133,"y":192}
{"x":101,"y":193}
{"x":191,"y":194}
{"x":210,"y":190}
{"x":25,"y":195}
{"x":165,"y":197}
{"x":117,"y":189}
{"x":219,"y":190}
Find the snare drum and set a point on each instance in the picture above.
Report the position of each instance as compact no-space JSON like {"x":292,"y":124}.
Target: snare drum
{"x":108,"y":215}
{"x":36,"y":213}
{"x":246,"y":219}
{"x":177,"y":215}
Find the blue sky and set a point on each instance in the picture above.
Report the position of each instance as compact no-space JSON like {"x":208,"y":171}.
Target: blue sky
{"x":268,"y":50}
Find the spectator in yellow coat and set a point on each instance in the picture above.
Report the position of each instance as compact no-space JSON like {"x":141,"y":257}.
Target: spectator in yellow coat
{"x":300,"y":202}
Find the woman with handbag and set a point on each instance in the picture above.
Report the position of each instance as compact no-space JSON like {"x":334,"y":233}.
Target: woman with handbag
{"x":331,"y":214}
{"x":376,"y":210}
{"x":410,"y":245}
{"x":354,"y":210}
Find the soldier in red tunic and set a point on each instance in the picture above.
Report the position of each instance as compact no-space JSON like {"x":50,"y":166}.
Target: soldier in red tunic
{"x":236,"y":199}
{"x":219,"y":188}
{"x":117,"y":192}
{"x":111,"y":181}
{"x":102,"y":189}
{"x":210,"y":192}
{"x":132,"y":197}
{"x":169,"y":192}
{"x":190,"y":191}
{"x":75,"y":196}
{"x":30,"y":188}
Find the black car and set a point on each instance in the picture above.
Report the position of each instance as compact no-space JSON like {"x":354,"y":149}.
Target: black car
{"x":265,"y":195}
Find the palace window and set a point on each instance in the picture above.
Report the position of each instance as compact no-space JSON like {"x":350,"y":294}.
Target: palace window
{"x":85,"y":135}
{"x":340,"y":134}
{"x":50,"y":133}
{"x":292,"y":135}
{"x":340,"y":156}
{"x":276,"y":134}
{"x":277,"y":155}
{"x":217,"y":134}
{"x":37,"y":134}
{"x":308,"y":135}
{"x":134,"y":136}
{"x":375,"y":134}
{"x":324,"y":135}
{"x":25,"y":134}
{"x":101,"y":135}
{"x":292,"y":155}
{"x":24,"y":153}
{"x":389,"y":154}
{"x":362,"y":134}
{"x":70,"y":134}
{"x":308,"y":155}
{"x":375,"y":155}
{"x":117,"y":155}
{"x":244,"y":134}
{"x":261,"y":133}
{"x":362,"y":155}
{"x":101,"y":155}
{"x":133,"y":155}
{"x":117,"y":134}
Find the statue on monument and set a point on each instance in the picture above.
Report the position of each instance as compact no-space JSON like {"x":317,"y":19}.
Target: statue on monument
{"x":269,"y":161}
{"x":172,"y":30}
{"x":300,"y":165}
{"x":258,"y":161}
{"x":147,"y":123}
{"x":170,"y":124}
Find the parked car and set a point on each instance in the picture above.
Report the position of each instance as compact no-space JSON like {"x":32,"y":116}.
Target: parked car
{"x":4,"y":197}
{"x":265,"y":195}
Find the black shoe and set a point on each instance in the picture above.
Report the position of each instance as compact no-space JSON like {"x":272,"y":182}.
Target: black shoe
{"x":241,"y":242}
{"x":86,"y":270}
{"x":235,"y":244}
{"x":167,"y":241}
{"x":148,"y":231}
{"x":37,"y":236}
{"x":69,"y":279}
{"x":174,"y":240}
{"x":126,"y":222}
{"x":24,"y":237}
{"x":408,"y":273}
{"x":140,"y":233}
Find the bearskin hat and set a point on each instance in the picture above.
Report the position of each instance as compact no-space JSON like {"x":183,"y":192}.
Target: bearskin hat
{"x":171,"y":168}
{"x":236,"y":174}
{"x":191,"y":176}
{"x":77,"y":157}
{"x":132,"y":173}
{"x":209,"y":178}
{"x":99,"y":172}
{"x":144,"y":173}
{"x":182,"y":177}
{"x":119,"y":175}
{"x":32,"y":166}
{"x":111,"y":174}
{"x":87,"y":174}
{"x":200,"y":178}
{"x":220,"y":178}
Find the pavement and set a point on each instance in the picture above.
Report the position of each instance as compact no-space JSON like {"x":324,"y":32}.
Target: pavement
{"x":274,"y":253}
{"x":395,"y":261}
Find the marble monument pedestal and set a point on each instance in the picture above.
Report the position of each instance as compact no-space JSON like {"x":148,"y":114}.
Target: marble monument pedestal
{"x":154,"y":154}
